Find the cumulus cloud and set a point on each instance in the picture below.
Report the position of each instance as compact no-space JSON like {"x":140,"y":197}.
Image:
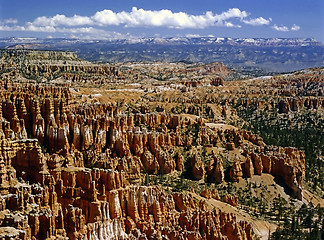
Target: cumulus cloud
{"x":281,"y":28}
{"x":146,"y":18}
{"x":98,"y":22}
{"x":257,"y":21}
{"x":285,"y":28}
{"x":295,"y":28}
{"x":10,"y":21}
{"x":72,"y":32}
{"x":11,"y":28}
{"x":59,"y":20}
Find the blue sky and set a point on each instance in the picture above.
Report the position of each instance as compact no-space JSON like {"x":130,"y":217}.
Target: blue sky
{"x":124,"y":18}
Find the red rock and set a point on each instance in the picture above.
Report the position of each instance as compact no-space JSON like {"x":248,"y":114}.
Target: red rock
{"x":248,"y":167}
{"x":236,"y":171}
{"x":257,"y":162}
{"x":218,"y":81}
{"x":215,"y":169}
{"x":197,"y":167}
{"x":230,"y":199}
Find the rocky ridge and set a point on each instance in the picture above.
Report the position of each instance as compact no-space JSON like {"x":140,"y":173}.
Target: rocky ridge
{"x":51,"y":65}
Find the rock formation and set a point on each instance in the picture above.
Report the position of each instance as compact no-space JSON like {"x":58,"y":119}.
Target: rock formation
{"x":217,"y":81}
{"x":73,"y":169}
{"x":215,"y":169}
{"x":197,"y":167}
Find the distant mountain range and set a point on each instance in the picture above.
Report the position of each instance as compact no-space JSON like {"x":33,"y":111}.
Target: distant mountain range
{"x":266,"y":54}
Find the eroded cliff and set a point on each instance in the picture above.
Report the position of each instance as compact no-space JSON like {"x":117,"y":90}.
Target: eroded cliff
{"x":90,"y":166}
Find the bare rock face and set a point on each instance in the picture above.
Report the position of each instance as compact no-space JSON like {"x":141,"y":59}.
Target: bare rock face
{"x":63,"y":64}
{"x":215,"y":169}
{"x":111,"y":140}
{"x":214,"y":194}
{"x":258,"y":167}
{"x":197,"y":167}
{"x":266,"y":162}
{"x":72,"y":170}
{"x":236,"y":171}
{"x":150,"y":163}
{"x":232,"y":200}
{"x":255,"y":139}
{"x":210,"y":194}
{"x":296,"y":104}
{"x":218,"y":81}
{"x":180,"y":162}
{"x":166,"y":162}
{"x":290,"y":164}
{"x":248,"y":167}
{"x":206,"y":193}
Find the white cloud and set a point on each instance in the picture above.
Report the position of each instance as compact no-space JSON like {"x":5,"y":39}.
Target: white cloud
{"x":193,"y":35}
{"x":281,"y":28}
{"x":107,"y":17}
{"x":10,"y":21}
{"x":295,"y":27}
{"x":229,"y":24}
{"x":233,"y":12}
{"x":145,"y":18}
{"x":59,"y":20}
{"x":73,"y":32}
{"x":98,"y":23}
{"x":11,"y":28}
{"x":285,"y":28}
{"x":257,"y":21}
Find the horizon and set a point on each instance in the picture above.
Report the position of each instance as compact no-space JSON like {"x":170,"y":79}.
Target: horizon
{"x":159,"y":37}
{"x":124,"y":19}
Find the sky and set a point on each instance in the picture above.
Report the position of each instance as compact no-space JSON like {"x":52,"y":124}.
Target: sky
{"x":105,"y":19}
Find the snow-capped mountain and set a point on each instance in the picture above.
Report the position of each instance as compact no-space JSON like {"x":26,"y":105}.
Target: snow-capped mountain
{"x":270,"y":54}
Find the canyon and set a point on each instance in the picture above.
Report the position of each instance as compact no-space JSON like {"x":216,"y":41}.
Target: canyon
{"x":87,"y":150}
